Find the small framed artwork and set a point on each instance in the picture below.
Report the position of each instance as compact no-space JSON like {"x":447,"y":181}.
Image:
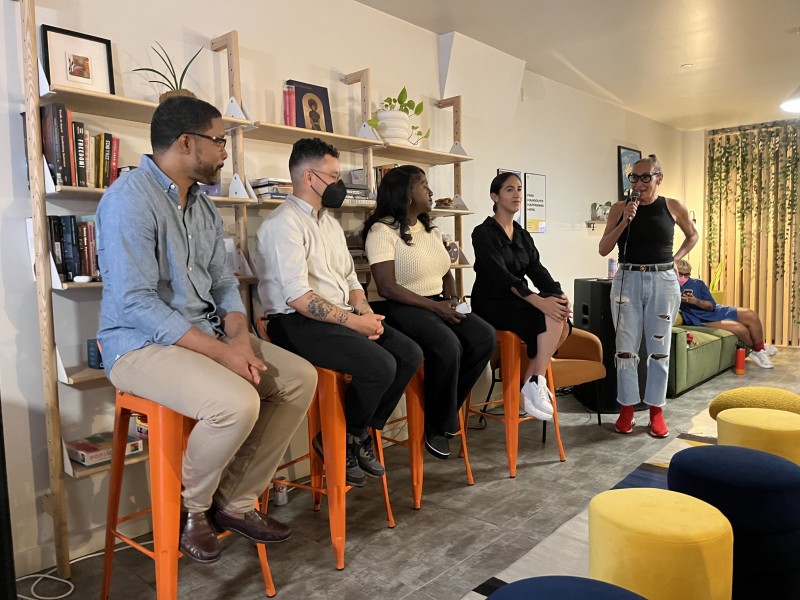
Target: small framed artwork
{"x":312,"y":108}
{"x":520,"y":216}
{"x":626,"y":158}
{"x":77,"y":60}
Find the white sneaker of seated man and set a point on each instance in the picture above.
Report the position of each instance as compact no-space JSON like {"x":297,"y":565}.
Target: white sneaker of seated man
{"x":536,"y":398}
{"x":761,"y":358}
{"x":770,"y":350}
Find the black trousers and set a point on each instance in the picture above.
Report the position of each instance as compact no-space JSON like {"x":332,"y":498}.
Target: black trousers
{"x":455,"y":356}
{"x":380,"y":369}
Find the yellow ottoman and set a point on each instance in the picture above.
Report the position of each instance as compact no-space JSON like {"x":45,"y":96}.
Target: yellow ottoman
{"x":755,"y":397}
{"x":773,"y":431}
{"x":660,"y":544}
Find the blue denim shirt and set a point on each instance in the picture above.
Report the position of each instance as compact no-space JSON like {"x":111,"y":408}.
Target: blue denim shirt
{"x":164,"y":269}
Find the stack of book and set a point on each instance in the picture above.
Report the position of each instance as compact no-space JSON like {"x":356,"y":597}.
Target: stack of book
{"x":358,"y":195}
{"x":96,"y":448}
{"x":271,"y":187}
{"x":73,"y":245}
{"x":76,"y":157}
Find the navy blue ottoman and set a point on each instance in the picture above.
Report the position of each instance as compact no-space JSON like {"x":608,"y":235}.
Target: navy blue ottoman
{"x":759,"y":493}
{"x":562,"y":587}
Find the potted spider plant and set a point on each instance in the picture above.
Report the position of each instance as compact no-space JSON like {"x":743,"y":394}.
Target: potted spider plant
{"x":169,"y":78}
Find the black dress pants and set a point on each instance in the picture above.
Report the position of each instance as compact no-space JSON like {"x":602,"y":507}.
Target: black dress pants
{"x":381,"y":369}
{"x":455,"y":356}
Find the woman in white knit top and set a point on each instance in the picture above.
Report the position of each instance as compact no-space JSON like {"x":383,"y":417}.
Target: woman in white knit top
{"x":411,"y":269}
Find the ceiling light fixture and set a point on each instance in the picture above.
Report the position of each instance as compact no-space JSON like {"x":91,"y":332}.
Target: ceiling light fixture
{"x":687,"y":65}
{"x":792,"y":103}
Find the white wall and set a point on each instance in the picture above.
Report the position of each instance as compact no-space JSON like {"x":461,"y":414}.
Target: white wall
{"x":566,"y":135}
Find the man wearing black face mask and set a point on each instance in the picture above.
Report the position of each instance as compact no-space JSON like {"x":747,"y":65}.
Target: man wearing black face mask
{"x":318,"y":309}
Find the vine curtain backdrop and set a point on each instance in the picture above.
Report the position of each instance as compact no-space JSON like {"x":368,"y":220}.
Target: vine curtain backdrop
{"x":752,"y":225}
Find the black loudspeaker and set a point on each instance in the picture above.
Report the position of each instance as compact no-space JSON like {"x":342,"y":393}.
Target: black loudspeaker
{"x":592,"y":313}
{"x":7,"y":584}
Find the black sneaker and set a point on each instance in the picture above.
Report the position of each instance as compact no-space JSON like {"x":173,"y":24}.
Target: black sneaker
{"x":316,"y":443}
{"x":353,"y":473}
{"x":367,"y":459}
{"x":438,"y":445}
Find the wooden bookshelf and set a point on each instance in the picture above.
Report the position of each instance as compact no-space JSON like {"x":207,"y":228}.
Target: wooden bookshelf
{"x":449,"y":212}
{"x":228,"y":201}
{"x":73,"y":285}
{"x":80,"y":471}
{"x":76,"y":193}
{"x":113,"y":106}
{"x":412,"y":154}
{"x":284,"y":134}
{"x":83,"y":374}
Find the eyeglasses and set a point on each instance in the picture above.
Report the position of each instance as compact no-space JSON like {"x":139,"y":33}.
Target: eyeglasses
{"x":219,"y":141}
{"x":684,"y":274}
{"x":335,"y":177}
{"x":644,"y":177}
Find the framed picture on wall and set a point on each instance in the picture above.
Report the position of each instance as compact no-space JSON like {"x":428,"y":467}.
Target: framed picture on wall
{"x":520,"y":216}
{"x":626,"y":158}
{"x":78,"y":60}
{"x":312,"y":108}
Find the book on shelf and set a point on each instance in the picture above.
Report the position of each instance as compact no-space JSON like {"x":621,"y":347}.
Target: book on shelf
{"x":113,"y":167}
{"x":79,"y":139}
{"x":65,"y":156}
{"x":96,"y":448}
{"x":56,"y":244}
{"x":72,"y":258}
{"x":51,"y":142}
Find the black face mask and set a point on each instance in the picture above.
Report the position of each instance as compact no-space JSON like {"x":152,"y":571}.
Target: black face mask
{"x":334,"y":193}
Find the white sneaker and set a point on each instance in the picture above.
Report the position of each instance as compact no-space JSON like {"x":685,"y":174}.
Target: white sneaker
{"x":770,"y":350}
{"x":761,"y":359}
{"x":536,"y":399}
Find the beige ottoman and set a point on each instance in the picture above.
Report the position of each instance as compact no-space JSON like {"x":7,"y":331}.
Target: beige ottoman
{"x":660,"y":544}
{"x":755,"y":397}
{"x":773,"y":431}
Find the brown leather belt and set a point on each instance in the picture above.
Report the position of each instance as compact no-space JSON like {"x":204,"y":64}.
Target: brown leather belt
{"x":647,"y":268}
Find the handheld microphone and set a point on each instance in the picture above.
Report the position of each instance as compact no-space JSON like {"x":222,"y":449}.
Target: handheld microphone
{"x":632,"y":197}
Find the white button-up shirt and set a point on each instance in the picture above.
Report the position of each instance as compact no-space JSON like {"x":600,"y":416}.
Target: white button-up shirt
{"x":302,"y":249}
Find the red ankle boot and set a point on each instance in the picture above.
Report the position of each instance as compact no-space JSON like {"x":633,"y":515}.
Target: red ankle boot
{"x":658,"y":426}
{"x":625,"y":422}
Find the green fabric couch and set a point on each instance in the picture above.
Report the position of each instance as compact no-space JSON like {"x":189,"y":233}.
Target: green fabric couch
{"x":712,"y":351}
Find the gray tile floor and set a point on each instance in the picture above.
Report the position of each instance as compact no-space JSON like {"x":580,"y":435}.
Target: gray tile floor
{"x":461,"y":536}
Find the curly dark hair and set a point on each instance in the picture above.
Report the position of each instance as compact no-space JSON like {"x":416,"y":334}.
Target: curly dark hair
{"x":394,"y":194}
{"x":177,"y":115}
{"x":310,"y":149}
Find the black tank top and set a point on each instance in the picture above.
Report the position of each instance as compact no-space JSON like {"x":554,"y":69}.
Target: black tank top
{"x":651,"y":235}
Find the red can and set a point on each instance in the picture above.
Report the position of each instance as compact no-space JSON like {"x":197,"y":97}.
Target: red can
{"x":739,"y":367}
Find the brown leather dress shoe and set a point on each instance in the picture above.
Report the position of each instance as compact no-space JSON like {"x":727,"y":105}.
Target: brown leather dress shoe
{"x":198,"y":540}
{"x":255,"y":526}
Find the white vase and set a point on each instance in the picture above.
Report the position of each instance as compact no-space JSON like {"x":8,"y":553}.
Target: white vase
{"x":393,"y":127}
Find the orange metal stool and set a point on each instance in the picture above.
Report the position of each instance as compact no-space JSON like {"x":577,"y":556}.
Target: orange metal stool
{"x":415,"y":417}
{"x":326,"y":414}
{"x":167,"y":433}
{"x":512,"y":361}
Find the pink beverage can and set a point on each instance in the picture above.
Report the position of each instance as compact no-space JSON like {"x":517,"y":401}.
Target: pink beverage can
{"x":612,"y":267}
{"x":280,"y":491}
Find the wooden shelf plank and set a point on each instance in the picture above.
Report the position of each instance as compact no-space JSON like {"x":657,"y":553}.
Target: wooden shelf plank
{"x":449,"y":212}
{"x":83,"y":374}
{"x":76,"y":193}
{"x":412,"y":154}
{"x":110,"y":105}
{"x":283,"y":134}
{"x":80,"y":471}
{"x":73,"y":285}
{"x":228,"y":201}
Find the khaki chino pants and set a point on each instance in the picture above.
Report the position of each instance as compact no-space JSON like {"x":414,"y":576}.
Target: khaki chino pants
{"x":242,"y":430}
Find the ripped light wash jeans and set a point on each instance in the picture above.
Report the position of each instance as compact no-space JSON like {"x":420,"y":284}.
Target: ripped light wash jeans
{"x":649,"y":302}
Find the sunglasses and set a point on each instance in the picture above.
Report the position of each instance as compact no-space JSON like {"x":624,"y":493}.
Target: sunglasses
{"x":219,"y":141}
{"x":644,"y":177}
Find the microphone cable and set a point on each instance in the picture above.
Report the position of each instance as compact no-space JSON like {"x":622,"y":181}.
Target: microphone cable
{"x":624,"y":255}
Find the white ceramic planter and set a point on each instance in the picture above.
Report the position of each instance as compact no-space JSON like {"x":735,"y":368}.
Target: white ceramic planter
{"x":393,"y":127}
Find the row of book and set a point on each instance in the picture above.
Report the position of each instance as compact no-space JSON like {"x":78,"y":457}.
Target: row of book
{"x":75,"y":156}
{"x":73,"y":245}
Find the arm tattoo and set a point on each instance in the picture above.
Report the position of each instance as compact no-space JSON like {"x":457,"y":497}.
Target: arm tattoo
{"x":319,"y":308}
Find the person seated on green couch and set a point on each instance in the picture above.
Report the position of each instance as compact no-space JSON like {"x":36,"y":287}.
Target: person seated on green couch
{"x":698,"y":308}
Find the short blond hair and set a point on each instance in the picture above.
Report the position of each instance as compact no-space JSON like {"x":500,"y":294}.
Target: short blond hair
{"x":683,"y":265}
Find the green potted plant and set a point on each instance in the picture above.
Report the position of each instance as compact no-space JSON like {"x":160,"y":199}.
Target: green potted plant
{"x":170,"y":79}
{"x":600,"y":211}
{"x":392,"y":120}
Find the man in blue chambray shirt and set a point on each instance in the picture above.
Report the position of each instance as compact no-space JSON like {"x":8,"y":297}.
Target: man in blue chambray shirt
{"x":173,"y":329}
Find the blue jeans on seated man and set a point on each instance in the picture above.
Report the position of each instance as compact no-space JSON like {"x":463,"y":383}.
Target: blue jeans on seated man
{"x":643,"y":302}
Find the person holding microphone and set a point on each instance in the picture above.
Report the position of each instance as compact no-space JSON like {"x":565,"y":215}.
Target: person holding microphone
{"x":645,"y":294}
